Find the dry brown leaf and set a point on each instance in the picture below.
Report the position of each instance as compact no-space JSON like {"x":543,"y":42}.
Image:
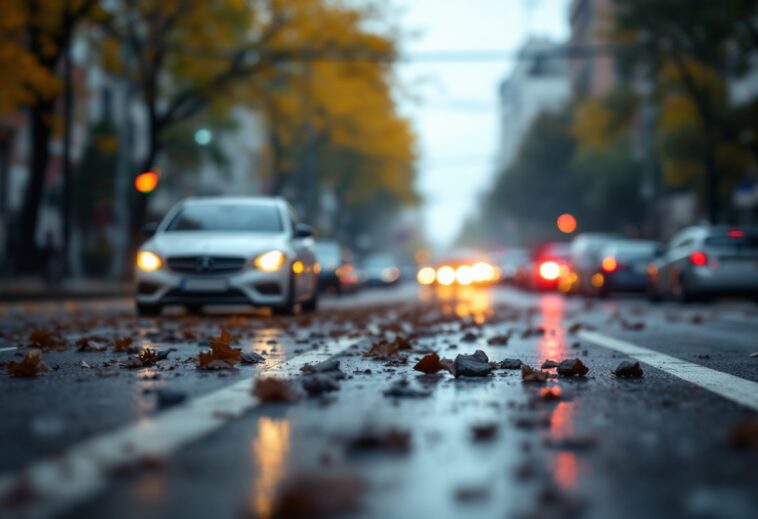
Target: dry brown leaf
{"x":429,"y":364}
{"x":222,"y":351}
{"x":30,"y":366}
{"x":382,"y":351}
{"x":274,"y":390}
{"x":45,"y":340}
{"x":124,"y":345}
{"x":528,"y":374}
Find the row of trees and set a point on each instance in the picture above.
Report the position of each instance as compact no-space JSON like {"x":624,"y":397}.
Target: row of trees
{"x":329,"y":113}
{"x":672,"y":123}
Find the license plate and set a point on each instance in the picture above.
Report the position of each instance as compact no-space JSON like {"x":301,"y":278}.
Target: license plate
{"x":204,"y":285}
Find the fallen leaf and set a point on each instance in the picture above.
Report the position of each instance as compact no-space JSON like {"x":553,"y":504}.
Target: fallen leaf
{"x":498,"y":340}
{"x":388,"y":440}
{"x":124,"y":345}
{"x":274,"y":390}
{"x":549,"y":364}
{"x":382,"y":351}
{"x":45,"y":340}
{"x":30,"y":366}
{"x":319,"y":495}
{"x":429,"y":364}
{"x":221,"y":351}
{"x":528,"y":374}
{"x":484,"y":432}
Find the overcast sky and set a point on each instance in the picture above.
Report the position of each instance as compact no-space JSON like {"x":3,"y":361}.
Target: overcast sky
{"x":456,"y":114}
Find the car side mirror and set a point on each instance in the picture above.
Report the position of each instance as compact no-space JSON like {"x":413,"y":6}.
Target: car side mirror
{"x":148,"y":231}
{"x":303,"y":230}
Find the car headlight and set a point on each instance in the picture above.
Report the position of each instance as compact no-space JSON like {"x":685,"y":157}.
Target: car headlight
{"x":148,"y":261}
{"x":270,"y":261}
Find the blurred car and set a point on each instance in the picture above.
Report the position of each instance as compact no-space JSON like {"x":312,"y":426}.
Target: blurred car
{"x":337,"y":272}
{"x":460,"y":270}
{"x":705,"y":261}
{"x":623,"y":266}
{"x":209,"y":251}
{"x":380,"y":269}
{"x":548,"y":268}
{"x":585,"y":258}
{"x":511,"y":262}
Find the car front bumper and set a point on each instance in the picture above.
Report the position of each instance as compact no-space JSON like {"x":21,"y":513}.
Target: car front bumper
{"x":246,"y":287}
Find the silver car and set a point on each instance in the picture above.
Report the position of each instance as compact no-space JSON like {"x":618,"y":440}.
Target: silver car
{"x":704,"y":261}
{"x":228,"y":251}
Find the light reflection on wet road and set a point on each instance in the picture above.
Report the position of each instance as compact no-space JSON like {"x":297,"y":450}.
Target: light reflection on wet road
{"x":446,"y":473}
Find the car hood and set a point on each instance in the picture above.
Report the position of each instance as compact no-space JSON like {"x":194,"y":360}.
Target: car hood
{"x":191,"y":243}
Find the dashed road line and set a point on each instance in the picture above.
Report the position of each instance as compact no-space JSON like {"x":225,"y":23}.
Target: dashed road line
{"x":83,"y":470}
{"x":736,"y":389}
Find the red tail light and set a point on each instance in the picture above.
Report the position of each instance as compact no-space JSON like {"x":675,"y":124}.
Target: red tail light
{"x":610,"y":264}
{"x":736,"y":233}
{"x":699,"y":258}
{"x":549,"y":270}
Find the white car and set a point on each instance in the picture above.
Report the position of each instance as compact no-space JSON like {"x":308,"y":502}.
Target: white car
{"x":707,"y":261}
{"x":228,"y":251}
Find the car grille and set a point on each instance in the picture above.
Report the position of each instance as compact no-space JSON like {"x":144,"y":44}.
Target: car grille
{"x":205,"y":265}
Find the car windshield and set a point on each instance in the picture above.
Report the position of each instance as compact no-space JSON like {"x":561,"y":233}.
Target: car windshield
{"x":634,"y":250}
{"x":744,"y":242}
{"x":227,"y":218}
{"x":379,"y":260}
{"x":328,"y":253}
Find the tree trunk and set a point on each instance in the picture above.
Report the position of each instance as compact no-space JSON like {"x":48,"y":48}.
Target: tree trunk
{"x":41,"y":116}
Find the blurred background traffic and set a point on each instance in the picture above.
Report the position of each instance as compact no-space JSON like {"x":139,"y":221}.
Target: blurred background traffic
{"x":586,"y":146}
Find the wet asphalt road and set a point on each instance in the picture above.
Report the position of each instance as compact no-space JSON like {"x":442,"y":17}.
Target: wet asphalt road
{"x":490,"y":446}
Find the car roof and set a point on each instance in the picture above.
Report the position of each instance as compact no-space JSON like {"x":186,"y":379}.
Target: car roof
{"x":236,"y":200}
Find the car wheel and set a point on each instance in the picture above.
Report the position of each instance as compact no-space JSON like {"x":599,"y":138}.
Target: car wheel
{"x":194,"y":309}
{"x":288,"y":307}
{"x":652,"y":293}
{"x":149,"y":309}
{"x":680,"y":291}
{"x":311,"y":304}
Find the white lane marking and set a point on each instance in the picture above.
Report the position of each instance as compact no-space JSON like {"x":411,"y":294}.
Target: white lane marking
{"x":12,"y":348}
{"x":736,"y":389}
{"x":83,"y":470}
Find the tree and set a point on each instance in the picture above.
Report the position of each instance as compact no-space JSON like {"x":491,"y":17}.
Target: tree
{"x":45,"y":28}
{"x":692,"y":47}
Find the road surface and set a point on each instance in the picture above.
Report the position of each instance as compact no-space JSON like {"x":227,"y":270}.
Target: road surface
{"x":103,"y":433}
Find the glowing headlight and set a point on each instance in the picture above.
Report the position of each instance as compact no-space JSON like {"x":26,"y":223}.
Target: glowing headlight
{"x":148,"y":261}
{"x":464,"y":275}
{"x":270,"y":261}
{"x":390,"y":274}
{"x":426,"y":276}
{"x":446,"y":275}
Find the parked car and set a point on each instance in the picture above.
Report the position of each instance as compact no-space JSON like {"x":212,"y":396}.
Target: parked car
{"x":585,"y":257}
{"x":210,"y":251}
{"x":337,"y":274}
{"x":380,"y":269}
{"x":707,"y":261}
{"x":623,"y":266}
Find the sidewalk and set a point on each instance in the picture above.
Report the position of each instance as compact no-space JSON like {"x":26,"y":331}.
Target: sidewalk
{"x":36,"y":290}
